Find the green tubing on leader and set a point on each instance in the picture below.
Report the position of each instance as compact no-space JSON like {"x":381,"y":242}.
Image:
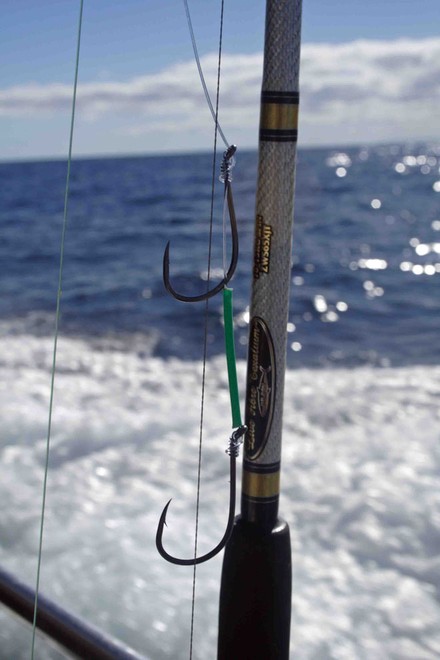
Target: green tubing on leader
{"x":230,"y":357}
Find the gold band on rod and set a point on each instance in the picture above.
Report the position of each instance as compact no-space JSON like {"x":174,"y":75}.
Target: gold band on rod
{"x":279,"y":116}
{"x":261,"y":485}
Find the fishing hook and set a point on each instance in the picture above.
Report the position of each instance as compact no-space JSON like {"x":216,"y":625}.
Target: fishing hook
{"x":225,"y":176}
{"x":234,"y":444}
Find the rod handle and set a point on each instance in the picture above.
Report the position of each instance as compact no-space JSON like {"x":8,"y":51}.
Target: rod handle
{"x":255,"y":594}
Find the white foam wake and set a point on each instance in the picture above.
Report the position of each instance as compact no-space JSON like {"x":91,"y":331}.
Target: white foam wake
{"x":360,"y":492}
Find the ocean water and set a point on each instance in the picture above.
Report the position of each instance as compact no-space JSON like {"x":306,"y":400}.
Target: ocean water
{"x":361,"y":455}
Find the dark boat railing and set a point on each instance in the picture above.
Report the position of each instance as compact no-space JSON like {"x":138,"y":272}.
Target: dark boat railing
{"x":70,"y":632}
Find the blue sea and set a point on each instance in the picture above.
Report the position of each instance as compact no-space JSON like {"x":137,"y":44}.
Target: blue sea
{"x":361,"y":458}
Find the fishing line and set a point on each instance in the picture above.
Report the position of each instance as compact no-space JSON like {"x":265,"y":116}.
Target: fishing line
{"x":57,"y":322}
{"x":199,"y":67}
{"x":217,"y":130}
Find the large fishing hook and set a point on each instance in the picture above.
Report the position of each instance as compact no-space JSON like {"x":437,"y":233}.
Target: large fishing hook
{"x":225,"y":176}
{"x":234,"y":444}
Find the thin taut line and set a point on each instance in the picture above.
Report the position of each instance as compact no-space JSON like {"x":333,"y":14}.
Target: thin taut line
{"x":205,"y":341}
{"x":57,"y":319}
{"x":201,"y":76}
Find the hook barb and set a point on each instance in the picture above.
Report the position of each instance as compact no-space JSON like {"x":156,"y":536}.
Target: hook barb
{"x":232,"y":266}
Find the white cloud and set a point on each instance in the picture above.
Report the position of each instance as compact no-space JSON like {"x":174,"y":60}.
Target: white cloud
{"x":363,"y":90}
{"x":372,"y":90}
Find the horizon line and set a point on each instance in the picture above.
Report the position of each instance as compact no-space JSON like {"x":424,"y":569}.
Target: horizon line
{"x":428,"y":141}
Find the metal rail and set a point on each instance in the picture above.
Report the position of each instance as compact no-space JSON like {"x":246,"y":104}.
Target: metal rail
{"x":79,"y":638}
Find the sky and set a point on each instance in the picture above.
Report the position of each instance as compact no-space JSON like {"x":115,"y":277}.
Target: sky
{"x":370,"y":72}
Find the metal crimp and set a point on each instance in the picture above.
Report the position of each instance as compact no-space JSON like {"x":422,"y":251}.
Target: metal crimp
{"x":227,"y":164}
{"x":235,"y":441}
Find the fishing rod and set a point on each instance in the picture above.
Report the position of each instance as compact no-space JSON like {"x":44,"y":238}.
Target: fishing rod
{"x":255,"y":593}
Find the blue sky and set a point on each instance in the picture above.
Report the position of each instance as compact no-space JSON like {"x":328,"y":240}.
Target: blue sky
{"x":377,"y":63}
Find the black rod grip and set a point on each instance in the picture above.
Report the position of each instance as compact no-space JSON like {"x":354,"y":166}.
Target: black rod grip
{"x":255,"y":594}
